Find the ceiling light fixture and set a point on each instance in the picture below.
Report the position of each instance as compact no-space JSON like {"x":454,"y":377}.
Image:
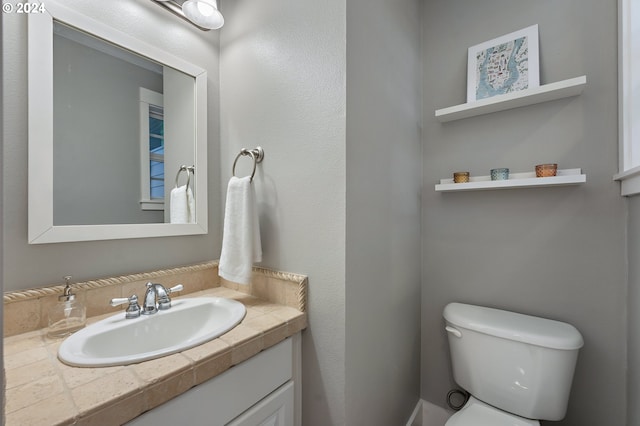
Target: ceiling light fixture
{"x":204,"y":14}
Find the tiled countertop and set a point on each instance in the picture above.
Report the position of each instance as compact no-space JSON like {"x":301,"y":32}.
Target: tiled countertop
{"x":41,"y":390}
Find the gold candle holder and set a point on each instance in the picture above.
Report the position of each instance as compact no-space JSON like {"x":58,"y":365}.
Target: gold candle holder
{"x":461,"y":177}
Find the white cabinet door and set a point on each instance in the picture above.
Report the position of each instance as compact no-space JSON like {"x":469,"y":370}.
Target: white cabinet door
{"x":275,"y":410}
{"x":227,"y":396}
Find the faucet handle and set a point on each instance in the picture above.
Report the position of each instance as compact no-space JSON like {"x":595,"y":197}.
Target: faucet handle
{"x":120,"y":301}
{"x":133,"y":310}
{"x":164,"y":301}
{"x":177,"y":287}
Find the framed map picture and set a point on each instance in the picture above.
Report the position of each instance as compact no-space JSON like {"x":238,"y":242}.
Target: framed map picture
{"x":503,"y":65}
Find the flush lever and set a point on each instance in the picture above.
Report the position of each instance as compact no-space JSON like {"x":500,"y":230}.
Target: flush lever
{"x":454,"y":331}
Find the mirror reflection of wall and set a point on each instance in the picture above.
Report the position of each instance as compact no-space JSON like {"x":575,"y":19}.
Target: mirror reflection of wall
{"x":108,"y":156}
{"x":96,"y":131}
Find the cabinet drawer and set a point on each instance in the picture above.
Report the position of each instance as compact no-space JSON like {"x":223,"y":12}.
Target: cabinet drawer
{"x":223,"y":398}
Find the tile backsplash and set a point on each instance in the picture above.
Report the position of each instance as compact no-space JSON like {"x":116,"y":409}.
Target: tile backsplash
{"x":26,"y":310}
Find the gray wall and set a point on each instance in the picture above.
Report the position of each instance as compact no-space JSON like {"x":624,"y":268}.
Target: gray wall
{"x":383,"y":211}
{"x":338,"y":189}
{"x":282,"y":82}
{"x":556,"y":252}
{"x":35,"y":266}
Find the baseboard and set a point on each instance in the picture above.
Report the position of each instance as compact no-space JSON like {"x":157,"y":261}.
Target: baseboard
{"x":428,"y":414}
{"x":416,"y":416}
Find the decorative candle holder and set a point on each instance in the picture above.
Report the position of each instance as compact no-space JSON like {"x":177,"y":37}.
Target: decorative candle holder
{"x":461,"y":177}
{"x":500,"y":174}
{"x":546,"y":170}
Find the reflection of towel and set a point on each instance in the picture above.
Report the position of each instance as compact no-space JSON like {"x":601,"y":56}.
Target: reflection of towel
{"x":182,"y":205}
{"x":241,"y":244}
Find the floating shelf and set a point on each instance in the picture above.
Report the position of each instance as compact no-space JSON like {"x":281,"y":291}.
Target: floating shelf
{"x":516,"y":180}
{"x":548,"y":92}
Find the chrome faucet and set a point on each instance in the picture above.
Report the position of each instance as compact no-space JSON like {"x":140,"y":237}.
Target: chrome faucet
{"x":156,"y":298}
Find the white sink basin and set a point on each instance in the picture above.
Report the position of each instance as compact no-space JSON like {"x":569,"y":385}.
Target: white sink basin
{"x":119,"y":341}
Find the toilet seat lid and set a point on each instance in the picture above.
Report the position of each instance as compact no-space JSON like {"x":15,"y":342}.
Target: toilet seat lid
{"x":477,"y":413}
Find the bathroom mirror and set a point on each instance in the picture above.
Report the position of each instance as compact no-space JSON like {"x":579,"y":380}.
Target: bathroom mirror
{"x":111,"y":121}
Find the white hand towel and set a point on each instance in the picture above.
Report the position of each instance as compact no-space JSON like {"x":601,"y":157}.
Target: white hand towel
{"x":182,"y":208}
{"x":241,"y":245}
{"x":191,"y":205}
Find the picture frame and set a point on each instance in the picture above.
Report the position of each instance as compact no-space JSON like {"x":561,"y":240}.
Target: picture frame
{"x":503,"y":65}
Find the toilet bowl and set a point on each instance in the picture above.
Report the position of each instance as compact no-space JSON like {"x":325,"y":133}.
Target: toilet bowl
{"x":517,"y":368}
{"x":477,"y":413}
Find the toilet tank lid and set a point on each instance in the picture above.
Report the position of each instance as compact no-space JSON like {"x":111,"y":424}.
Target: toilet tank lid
{"x":514,"y":326}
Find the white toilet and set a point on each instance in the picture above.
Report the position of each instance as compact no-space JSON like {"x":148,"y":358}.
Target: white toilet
{"x":517,"y":368}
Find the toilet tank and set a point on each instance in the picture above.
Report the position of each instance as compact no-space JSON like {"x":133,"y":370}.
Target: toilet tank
{"x":518,"y":363}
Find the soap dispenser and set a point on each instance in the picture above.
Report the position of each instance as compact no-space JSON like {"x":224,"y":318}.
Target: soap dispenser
{"x":67,"y":315}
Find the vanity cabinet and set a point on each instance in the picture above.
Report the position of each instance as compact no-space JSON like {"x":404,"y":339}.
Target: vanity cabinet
{"x":275,"y":410}
{"x":261,"y":391}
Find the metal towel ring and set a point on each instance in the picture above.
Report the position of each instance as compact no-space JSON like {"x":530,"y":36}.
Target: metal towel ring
{"x":189,"y":170}
{"x":256,"y":154}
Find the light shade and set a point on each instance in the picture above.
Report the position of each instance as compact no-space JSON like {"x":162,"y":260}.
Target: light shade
{"x":204,"y":13}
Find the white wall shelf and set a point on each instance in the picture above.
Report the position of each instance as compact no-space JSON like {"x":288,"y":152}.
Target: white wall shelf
{"x":548,"y":92}
{"x":516,"y":180}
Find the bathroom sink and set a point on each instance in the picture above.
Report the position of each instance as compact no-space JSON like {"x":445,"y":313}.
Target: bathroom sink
{"x":119,"y":341}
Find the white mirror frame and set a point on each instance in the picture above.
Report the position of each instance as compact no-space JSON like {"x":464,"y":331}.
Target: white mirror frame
{"x":40,"y":113}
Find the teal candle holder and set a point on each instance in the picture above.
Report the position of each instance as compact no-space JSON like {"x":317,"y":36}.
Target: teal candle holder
{"x":500,"y":174}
